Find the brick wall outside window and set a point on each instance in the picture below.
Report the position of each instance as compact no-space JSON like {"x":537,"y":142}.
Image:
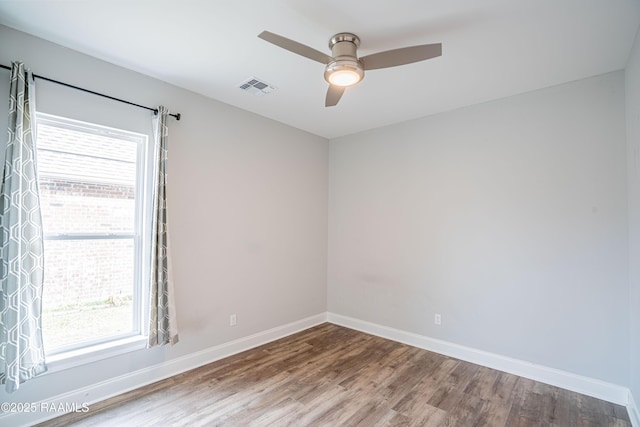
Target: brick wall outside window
{"x":86,"y":271}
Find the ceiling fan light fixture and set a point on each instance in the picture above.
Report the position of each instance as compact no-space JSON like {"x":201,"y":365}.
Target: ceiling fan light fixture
{"x":343,"y":73}
{"x":343,"y":68}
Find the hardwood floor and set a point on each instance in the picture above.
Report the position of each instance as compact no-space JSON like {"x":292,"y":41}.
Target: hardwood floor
{"x":333,"y":376}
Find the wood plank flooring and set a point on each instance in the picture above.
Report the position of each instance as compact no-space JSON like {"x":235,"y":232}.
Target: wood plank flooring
{"x":333,"y":376}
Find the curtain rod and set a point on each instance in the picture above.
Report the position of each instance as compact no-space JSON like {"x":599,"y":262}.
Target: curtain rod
{"x":155,"y":110}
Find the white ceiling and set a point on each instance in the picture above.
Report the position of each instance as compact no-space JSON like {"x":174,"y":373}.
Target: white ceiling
{"x":491,"y":49}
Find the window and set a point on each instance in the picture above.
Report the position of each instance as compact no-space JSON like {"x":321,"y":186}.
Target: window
{"x":93,"y":199}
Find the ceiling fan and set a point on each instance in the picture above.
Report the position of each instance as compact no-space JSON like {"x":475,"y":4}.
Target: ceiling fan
{"x":343,"y":68}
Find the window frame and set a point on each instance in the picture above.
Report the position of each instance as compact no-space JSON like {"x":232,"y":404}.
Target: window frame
{"x":67,"y":356}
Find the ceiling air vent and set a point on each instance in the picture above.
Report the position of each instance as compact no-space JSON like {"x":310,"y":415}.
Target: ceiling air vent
{"x":256,"y":86}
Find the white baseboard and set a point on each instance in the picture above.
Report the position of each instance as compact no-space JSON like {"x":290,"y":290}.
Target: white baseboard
{"x":122,"y":384}
{"x":634,"y":414}
{"x":584,"y":385}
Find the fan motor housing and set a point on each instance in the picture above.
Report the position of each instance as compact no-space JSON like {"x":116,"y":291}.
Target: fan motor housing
{"x":344,"y":48}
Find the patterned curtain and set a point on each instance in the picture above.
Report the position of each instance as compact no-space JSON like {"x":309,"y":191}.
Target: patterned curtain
{"x":163,"y":327}
{"x":21,"y":248}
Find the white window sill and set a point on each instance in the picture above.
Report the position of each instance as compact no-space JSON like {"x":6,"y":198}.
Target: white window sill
{"x":94,"y":353}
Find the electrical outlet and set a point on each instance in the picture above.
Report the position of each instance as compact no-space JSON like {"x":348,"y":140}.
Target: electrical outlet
{"x":437,"y":319}
{"x":232,"y":320}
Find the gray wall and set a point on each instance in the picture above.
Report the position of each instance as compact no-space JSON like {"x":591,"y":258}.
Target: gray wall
{"x":632,"y":74}
{"x":508,"y":218}
{"x":248,"y":207}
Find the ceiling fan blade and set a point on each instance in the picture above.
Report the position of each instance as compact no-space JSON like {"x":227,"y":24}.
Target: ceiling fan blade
{"x":295,"y":47}
{"x":402,"y":56}
{"x":334,"y":93}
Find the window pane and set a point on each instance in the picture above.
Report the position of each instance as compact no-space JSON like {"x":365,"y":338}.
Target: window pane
{"x":87,"y":181}
{"x":88,"y":290}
